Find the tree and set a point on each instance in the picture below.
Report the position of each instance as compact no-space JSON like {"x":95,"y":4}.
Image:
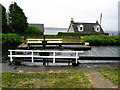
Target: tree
{"x":0,"y":18}
{"x":31,"y":30}
{"x":17,"y":19}
{"x":3,"y":19}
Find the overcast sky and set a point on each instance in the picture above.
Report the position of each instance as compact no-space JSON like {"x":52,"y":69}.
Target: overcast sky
{"x":57,"y":13}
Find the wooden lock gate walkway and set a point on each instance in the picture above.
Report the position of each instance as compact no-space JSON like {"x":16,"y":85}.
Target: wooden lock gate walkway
{"x":51,"y":42}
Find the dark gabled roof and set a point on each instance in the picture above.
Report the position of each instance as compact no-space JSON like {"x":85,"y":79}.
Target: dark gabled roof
{"x":88,"y":27}
{"x":39,"y":26}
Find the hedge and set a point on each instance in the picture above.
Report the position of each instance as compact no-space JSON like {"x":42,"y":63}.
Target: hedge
{"x":11,"y":39}
{"x":79,"y":33}
{"x":102,"y":40}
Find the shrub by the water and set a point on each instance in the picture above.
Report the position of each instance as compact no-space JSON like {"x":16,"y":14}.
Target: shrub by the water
{"x":11,"y":39}
{"x":102,"y":40}
{"x":79,"y":33}
{"x":31,"y":30}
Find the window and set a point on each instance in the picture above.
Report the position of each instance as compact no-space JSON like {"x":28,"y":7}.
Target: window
{"x":80,"y":27}
{"x":97,"y":28}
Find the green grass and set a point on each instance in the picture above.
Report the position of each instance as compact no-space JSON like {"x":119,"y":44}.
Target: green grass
{"x":0,"y":80}
{"x":111,"y":74}
{"x":71,"y":40}
{"x":46,"y":80}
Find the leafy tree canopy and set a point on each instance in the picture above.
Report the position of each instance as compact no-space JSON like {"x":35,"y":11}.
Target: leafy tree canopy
{"x":3,"y":19}
{"x":0,"y":14}
{"x":17,"y":18}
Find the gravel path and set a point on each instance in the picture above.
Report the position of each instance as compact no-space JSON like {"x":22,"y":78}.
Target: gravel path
{"x":16,"y":68}
{"x":98,"y":80}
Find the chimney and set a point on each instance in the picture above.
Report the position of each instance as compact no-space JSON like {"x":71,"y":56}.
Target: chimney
{"x":72,"y":20}
{"x":100,"y":18}
{"x":97,"y":21}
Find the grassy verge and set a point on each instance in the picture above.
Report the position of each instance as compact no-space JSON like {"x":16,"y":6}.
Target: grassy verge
{"x":46,"y":80}
{"x":111,"y":74}
{"x":71,"y":40}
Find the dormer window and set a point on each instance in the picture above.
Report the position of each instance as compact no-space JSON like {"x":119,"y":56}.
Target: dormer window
{"x":97,"y":28}
{"x":80,"y":27}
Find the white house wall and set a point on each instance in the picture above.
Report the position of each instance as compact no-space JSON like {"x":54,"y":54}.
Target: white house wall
{"x":71,"y":29}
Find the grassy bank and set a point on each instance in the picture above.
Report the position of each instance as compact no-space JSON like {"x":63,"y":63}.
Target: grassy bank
{"x":46,"y":80}
{"x":112,"y":74}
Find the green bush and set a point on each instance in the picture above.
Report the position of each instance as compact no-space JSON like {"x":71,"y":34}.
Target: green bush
{"x":102,"y":40}
{"x":31,"y":30}
{"x":11,"y":39}
{"x":80,"y":34}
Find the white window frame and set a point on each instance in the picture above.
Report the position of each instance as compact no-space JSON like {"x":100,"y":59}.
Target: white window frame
{"x":79,"y":28}
{"x":97,"y":28}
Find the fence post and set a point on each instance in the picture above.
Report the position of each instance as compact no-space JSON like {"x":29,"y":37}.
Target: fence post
{"x":32,"y":57}
{"x":11,"y":56}
{"x":76,"y":56}
{"x":54,"y":57}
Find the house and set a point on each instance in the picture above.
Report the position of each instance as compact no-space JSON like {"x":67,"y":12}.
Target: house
{"x":85,"y":27}
{"x":39,"y":26}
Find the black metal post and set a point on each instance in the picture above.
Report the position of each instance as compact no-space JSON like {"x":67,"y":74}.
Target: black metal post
{"x":44,"y":43}
{"x":74,"y":64}
{"x":69,"y":62}
{"x":47,"y":62}
{"x":44,"y":47}
{"x":44,"y":62}
{"x":44,"y":37}
{"x":60,"y":46}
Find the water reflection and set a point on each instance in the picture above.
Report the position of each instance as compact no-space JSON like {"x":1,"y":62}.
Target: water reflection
{"x":102,"y":51}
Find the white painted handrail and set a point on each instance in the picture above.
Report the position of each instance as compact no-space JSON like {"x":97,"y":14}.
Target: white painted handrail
{"x":43,"y":51}
{"x":86,"y":43}
{"x":43,"y":39}
{"x":48,"y":40}
{"x":32,"y":56}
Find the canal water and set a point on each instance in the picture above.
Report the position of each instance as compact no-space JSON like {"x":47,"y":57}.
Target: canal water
{"x":106,"y":51}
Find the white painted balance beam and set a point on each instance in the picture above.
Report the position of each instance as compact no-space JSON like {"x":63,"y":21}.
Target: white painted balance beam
{"x":32,"y":56}
{"x":48,"y":40}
